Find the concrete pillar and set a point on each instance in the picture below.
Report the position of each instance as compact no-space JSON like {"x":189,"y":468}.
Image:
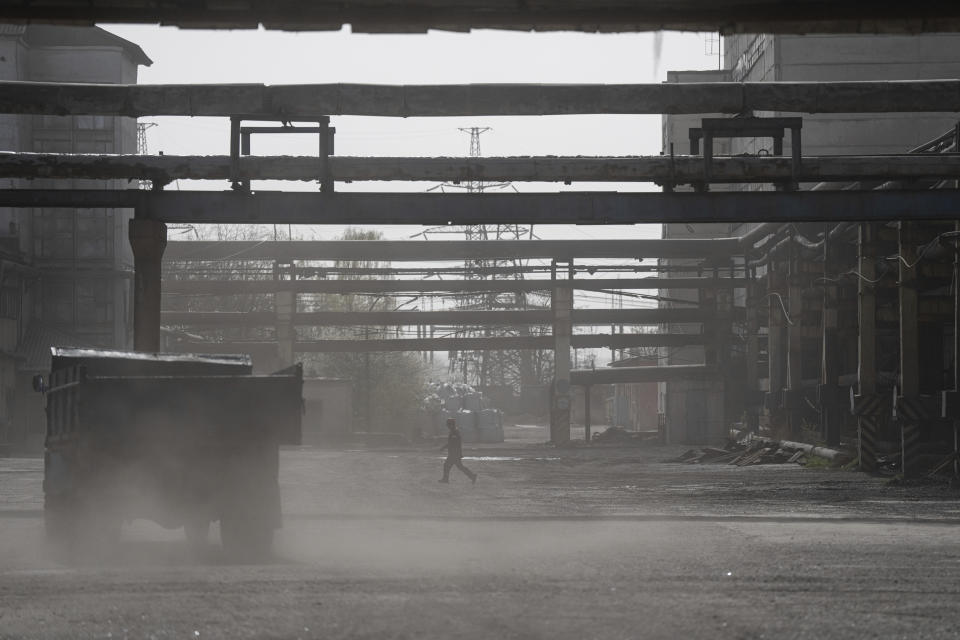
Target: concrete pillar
{"x":285,"y":306}
{"x":752,"y":400}
{"x":562,"y":303}
{"x":776,"y":362}
{"x":708,"y":305}
{"x":908,"y":409}
{"x":867,"y":404}
{"x":586,"y":414}
{"x":956,"y":355}
{"x":829,"y":397}
{"x":794,"y":399}
{"x":285,"y":301}
{"x":724,"y":332}
{"x":148,"y":239}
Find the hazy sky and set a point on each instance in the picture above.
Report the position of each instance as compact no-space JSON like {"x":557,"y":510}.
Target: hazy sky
{"x":436,"y":58}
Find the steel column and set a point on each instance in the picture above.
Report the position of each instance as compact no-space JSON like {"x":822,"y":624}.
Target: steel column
{"x":795,"y":392}
{"x":909,"y":387}
{"x":867,"y":404}
{"x":828,"y":394}
{"x":752,"y":401}
{"x":285,"y":307}
{"x":587,"y":437}
{"x":562,"y":311}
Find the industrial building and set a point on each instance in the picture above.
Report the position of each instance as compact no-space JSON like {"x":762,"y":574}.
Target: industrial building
{"x":799,"y":338}
{"x":67,"y":272}
{"x":790,"y":352}
{"x":750,"y":306}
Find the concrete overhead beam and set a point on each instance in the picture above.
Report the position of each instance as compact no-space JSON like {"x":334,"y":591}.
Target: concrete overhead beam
{"x":308,"y":102}
{"x":389,"y":16}
{"x":424,"y":318}
{"x":458,"y":250}
{"x":661,"y":169}
{"x":361,"y":286}
{"x":498,"y":343}
{"x":266,"y":207}
{"x":632,"y":375}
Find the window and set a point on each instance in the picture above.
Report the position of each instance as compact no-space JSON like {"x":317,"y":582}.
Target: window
{"x":67,"y":234}
{"x":94,"y":234}
{"x":100,"y":123}
{"x":9,"y":302}
{"x":94,"y":302}
{"x":57,"y":305}
{"x":55,"y":238}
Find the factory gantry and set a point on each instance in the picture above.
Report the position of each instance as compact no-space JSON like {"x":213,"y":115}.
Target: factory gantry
{"x":813,"y":292}
{"x":604,"y":326}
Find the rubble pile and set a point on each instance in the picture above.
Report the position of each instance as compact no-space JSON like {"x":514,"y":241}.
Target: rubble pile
{"x":762,"y":451}
{"x":619,"y":435}
{"x":478,"y":422}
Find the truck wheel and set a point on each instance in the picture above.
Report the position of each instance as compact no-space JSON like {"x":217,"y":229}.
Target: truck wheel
{"x":246,"y":538}
{"x":197,"y":531}
{"x":78,"y":530}
{"x":59,"y":519}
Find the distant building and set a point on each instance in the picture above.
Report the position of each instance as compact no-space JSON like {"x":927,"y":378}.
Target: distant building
{"x":328,"y":409}
{"x":67,"y":273}
{"x":698,"y":411}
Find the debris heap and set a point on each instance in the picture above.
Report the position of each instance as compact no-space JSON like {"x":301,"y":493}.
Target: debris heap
{"x":478,"y":421}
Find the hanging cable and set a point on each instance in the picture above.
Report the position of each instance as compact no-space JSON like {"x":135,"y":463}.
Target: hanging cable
{"x":786,"y":314}
{"x":923,"y":249}
{"x":852,"y":272}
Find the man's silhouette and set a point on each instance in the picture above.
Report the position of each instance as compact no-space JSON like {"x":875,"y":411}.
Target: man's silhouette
{"x":454,"y":449}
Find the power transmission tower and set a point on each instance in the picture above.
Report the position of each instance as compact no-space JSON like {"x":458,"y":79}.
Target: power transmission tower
{"x":492,"y":368}
{"x":142,"y":147}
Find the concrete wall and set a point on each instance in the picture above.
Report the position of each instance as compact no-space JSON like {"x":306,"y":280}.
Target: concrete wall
{"x":824,"y":58}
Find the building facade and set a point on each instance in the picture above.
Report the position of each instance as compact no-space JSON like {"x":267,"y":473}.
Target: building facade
{"x":702,"y":411}
{"x":67,"y":272}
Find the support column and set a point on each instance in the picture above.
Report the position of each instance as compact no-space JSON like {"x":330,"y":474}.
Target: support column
{"x":950,"y":400}
{"x":829,"y":396}
{"x":908,"y":402}
{"x":794,"y":396}
{"x":148,"y":239}
{"x":752,"y":400}
{"x":562,"y":303}
{"x":587,"y":436}
{"x":866,"y":404}
{"x":711,"y":328}
{"x":720,"y":384}
{"x":775,"y":356}
{"x":955,"y":416}
{"x":285,"y":305}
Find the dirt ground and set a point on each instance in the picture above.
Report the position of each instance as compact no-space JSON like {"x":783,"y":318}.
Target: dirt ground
{"x":550,"y":543}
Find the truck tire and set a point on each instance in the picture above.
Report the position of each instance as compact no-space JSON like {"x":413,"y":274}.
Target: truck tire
{"x":60,"y":519}
{"x":79,"y":530}
{"x":197,"y":531}
{"x":246,"y":537}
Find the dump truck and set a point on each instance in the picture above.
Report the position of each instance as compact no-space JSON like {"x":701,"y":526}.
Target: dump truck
{"x":183,"y":440}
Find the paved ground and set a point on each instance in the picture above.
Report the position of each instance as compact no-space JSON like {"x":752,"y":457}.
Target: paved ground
{"x":550,"y":543}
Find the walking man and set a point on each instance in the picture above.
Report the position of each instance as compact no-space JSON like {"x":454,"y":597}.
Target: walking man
{"x":454,"y":448}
